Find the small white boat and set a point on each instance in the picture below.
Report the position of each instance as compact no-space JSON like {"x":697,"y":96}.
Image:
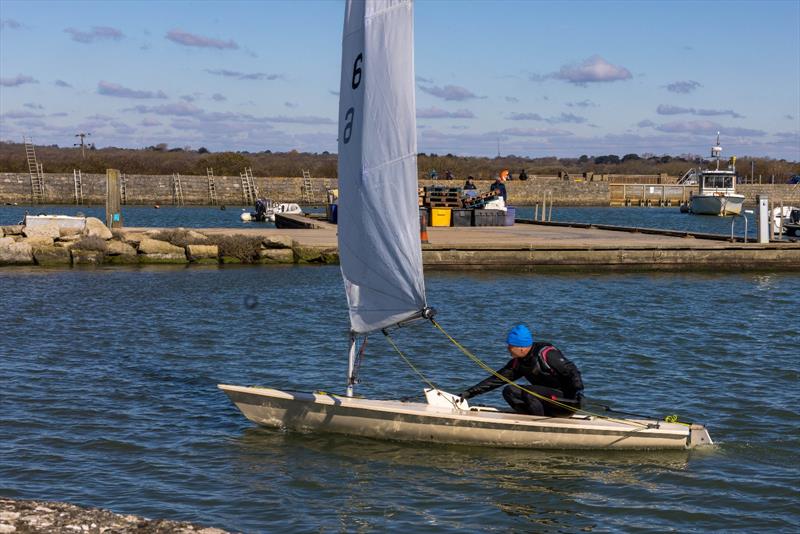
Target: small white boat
{"x":381,"y":263}
{"x":265,"y":210}
{"x":717,"y":189}
{"x":786,"y":220}
{"x":287,"y":208}
{"x":444,"y":423}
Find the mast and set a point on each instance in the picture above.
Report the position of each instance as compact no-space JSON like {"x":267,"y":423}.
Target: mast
{"x":378,"y":217}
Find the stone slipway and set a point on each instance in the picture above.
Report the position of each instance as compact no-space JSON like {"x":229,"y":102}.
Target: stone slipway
{"x":560,"y":246}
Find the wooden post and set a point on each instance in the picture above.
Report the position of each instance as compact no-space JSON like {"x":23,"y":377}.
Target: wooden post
{"x":113,"y":213}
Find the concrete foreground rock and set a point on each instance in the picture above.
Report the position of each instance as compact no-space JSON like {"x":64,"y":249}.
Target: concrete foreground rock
{"x":22,"y":516}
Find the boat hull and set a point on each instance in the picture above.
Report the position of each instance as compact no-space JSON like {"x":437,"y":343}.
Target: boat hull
{"x":716,"y":204}
{"x":411,"y":421}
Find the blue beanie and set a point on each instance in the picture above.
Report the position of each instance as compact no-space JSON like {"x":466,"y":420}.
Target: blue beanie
{"x":520,"y":336}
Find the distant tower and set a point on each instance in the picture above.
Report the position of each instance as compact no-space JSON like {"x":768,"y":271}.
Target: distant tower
{"x":81,"y":144}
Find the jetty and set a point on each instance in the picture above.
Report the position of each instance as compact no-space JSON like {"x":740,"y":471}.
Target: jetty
{"x":531,"y":245}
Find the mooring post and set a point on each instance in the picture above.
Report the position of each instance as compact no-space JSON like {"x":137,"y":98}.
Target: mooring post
{"x":763,"y":218}
{"x":113,"y":213}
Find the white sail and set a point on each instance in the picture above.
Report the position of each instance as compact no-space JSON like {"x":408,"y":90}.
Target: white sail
{"x":379,"y":244}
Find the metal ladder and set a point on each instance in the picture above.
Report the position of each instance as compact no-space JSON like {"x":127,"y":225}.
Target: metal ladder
{"x":212,"y":187}
{"x":123,"y":189}
{"x":77,"y":180}
{"x":308,"y":188}
{"x":249,"y":189}
{"x":177,"y":190}
{"x":36,"y":171}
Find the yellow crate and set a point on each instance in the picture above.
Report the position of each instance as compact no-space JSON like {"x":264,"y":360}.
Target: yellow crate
{"x":440,"y":216}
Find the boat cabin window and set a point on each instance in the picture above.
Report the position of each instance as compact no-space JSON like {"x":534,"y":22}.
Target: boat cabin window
{"x":718,"y":181}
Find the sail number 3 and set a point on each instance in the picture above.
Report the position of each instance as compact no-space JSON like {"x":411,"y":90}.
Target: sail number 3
{"x":354,"y":83}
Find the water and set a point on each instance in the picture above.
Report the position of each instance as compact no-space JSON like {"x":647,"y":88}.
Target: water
{"x":108,"y":399}
{"x":166,"y":216}
{"x":211,"y":217}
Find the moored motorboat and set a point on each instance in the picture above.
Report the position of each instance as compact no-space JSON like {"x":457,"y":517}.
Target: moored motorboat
{"x":717,"y":189}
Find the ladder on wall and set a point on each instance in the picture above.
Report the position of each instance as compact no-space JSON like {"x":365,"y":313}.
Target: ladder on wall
{"x":177,"y":189}
{"x":123,"y":189}
{"x":36,"y":171}
{"x":77,"y":180}
{"x":212,"y":187}
{"x":249,"y":189}
{"x":308,"y":188}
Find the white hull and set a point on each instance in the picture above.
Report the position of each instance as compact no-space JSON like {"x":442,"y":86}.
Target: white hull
{"x":412,"y":421}
{"x":716,"y":204}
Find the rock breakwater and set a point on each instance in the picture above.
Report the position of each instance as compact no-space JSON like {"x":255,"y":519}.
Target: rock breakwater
{"x":22,"y":516}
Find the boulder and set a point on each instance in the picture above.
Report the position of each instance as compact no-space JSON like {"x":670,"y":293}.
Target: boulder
{"x":86,"y":257}
{"x":40,"y":240}
{"x":96,"y":228}
{"x":310,"y":254}
{"x":154,"y":246}
{"x":118,"y":248}
{"x":15,"y":229}
{"x":276,"y":255}
{"x":202,"y":253}
{"x":70,"y":238}
{"x":50,"y":255}
{"x":277,"y":241}
{"x":48,"y":229}
{"x":196,"y":235}
{"x":69,"y":231}
{"x":134,"y":237}
{"x":15,"y":253}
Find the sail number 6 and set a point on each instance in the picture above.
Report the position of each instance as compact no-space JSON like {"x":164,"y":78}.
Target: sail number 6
{"x":354,"y":83}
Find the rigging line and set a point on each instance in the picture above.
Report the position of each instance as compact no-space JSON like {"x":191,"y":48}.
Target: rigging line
{"x":526,"y":390}
{"x":413,"y":368}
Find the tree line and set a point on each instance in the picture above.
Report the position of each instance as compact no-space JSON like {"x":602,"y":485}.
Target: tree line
{"x":160,"y":160}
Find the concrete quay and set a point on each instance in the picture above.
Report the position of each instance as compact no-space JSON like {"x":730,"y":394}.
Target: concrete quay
{"x":559,"y":246}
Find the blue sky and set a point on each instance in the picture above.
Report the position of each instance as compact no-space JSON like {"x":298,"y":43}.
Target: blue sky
{"x":539,"y":78}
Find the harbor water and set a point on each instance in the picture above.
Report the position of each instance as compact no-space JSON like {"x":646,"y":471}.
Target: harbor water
{"x":109,"y":399}
{"x":213,"y":217}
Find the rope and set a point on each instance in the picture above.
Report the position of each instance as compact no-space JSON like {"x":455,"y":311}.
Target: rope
{"x":413,"y":368}
{"x":526,"y":390}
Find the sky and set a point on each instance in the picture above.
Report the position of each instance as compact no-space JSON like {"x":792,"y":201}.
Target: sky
{"x":516,"y":77}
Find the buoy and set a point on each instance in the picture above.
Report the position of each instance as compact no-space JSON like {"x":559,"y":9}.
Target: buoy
{"x":156,"y":206}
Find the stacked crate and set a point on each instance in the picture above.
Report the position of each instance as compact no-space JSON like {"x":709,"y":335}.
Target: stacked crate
{"x":443,"y":197}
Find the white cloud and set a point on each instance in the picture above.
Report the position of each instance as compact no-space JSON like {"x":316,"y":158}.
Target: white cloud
{"x":189,"y":39}
{"x":97,"y":33}
{"x":114,"y":89}
{"x":449,"y":92}
{"x":437,"y":113}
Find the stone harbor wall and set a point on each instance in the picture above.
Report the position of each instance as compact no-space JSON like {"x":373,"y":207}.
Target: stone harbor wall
{"x":592,"y":190}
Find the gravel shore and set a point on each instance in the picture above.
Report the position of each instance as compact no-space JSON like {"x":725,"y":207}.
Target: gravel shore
{"x":20,"y":516}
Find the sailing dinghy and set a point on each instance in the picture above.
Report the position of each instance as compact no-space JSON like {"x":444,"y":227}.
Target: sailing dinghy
{"x":381,"y":263}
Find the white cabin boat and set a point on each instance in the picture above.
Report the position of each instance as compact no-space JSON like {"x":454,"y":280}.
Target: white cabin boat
{"x":717,"y":189}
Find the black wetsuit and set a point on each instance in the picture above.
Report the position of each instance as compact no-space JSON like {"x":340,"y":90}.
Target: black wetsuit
{"x":551,"y":375}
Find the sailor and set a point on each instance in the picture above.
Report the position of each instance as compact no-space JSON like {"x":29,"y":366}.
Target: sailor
{"x":469,"y":184}
{"x":550,"y":373}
